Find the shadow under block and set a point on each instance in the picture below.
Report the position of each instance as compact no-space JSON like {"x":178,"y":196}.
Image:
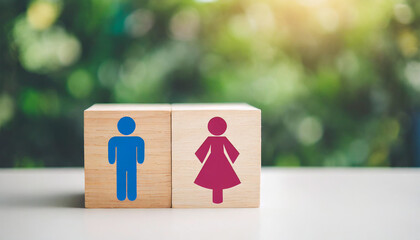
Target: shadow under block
{"x":153,"y":125}
{"x":190,"y":130}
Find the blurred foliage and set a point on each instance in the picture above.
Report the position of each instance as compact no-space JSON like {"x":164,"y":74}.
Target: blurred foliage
{"x":337,"y":81}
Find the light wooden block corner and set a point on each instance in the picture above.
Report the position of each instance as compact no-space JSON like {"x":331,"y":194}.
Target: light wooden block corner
{"x":216,"y":155}
{"x":153,"y":128}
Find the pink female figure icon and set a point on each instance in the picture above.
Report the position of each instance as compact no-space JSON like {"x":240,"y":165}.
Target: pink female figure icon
{"x":217,"y":172}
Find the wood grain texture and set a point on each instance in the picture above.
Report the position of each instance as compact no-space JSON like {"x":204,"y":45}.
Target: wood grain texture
{"x":189,"y":130}
{"x":153,"y":124}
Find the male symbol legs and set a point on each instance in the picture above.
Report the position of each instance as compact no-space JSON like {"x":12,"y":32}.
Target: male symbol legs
{"x":132,"y":184}
{"x":121,"y":184}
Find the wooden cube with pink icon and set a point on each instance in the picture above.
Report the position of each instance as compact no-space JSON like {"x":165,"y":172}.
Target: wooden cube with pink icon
{"x":216,"y":155}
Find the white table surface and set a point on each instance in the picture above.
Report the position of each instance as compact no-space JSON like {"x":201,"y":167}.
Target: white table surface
{"x":295,"y":204}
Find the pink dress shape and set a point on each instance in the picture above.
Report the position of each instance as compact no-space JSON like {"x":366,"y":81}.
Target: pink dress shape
{"x":217,"y":172}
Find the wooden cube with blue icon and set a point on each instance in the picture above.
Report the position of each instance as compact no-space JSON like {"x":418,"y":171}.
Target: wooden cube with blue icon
{"x":127,"y":156}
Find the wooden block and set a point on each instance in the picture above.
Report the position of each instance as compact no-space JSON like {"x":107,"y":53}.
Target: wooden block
{"x":217,"y":182}
{"x":153,"y":126}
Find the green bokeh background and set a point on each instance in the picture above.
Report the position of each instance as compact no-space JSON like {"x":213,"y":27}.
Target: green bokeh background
{"x":338,"y":82}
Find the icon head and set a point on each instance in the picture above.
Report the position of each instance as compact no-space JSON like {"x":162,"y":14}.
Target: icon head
{"x":126,"y":125}
{"x":217,"y":126}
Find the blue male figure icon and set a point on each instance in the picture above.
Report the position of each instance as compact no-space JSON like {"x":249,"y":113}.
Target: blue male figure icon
{"x":127,"y":151}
